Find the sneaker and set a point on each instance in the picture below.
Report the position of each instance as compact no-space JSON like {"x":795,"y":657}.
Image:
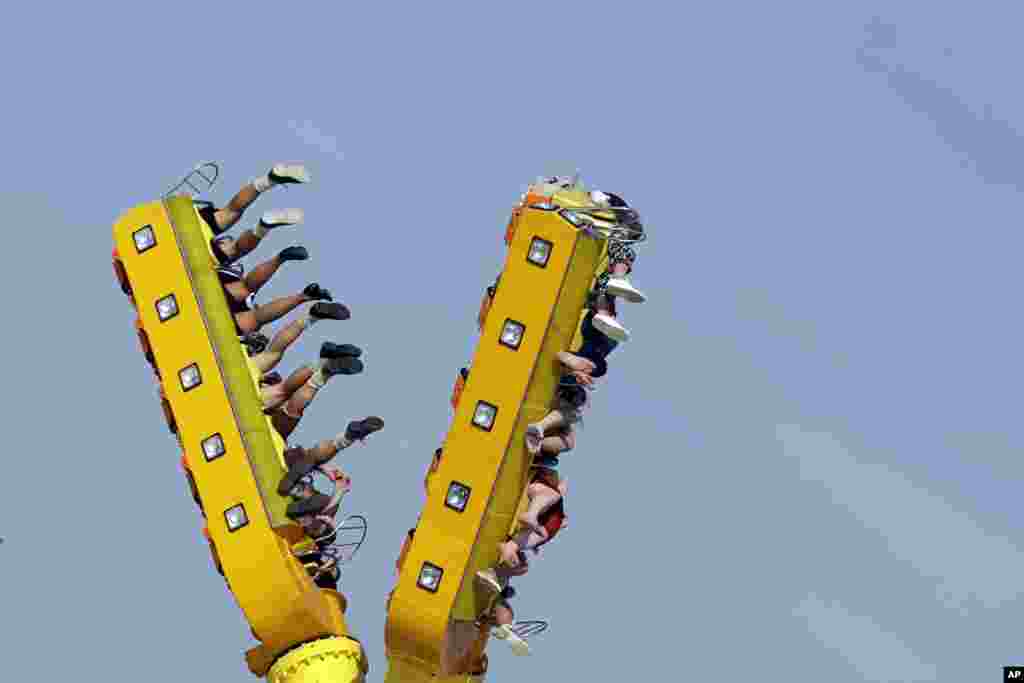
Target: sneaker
{"x":331,"y":311}
{"x":315,"y":291}
{"x":489,"y":580}
{"x":332,"y":350}
{"x":610,"y":327}
{"x":621,"y":287}
{"x":288,"y":174}
{"x":518,"y":645}
{"x":358,"y":430}
{"x":534,"y":437}
{"x":293,"y":254}
{"x":271,"y":378}
{"x":278,"y":217}
{"x":308,"y":506}
{"x":346,"y":365}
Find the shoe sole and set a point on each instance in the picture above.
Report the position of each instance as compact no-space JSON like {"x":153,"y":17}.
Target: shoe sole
{"x":330,"y":350}
{"x":631,"y":295}
{"x":345,"y":365}
{"x":278,"y":217}
{"x":330,"y":311}
{"x":618,"y":334}
{"x":290,"y":173}
{"x":365,"y":427}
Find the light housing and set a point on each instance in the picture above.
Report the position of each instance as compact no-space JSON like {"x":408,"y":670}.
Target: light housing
{"x":189,"y":377}
{"x":484,"y":415}
{"x":512,"y":333}
{"x":573,"y":217}
{"x":144,"y":238}
{"x":539,"y":253}
{"x":430,"y":577}
{"x":457,"y":497}
{"x":236,"y":517}
{"x":166,"y":308}
{"x":213,"y":447}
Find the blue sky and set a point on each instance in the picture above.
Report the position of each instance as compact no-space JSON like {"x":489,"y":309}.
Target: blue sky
{"x":806,"y":460}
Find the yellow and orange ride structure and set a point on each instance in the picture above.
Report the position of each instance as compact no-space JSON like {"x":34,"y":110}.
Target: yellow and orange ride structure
{"x":233,"y":457}
{"x":557,"y":245}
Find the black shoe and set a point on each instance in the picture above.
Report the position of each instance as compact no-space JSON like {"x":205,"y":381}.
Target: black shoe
{"x":293,"y":254}
{"x":255,"y":342}
{"x":358,"y":430}
{"x":346,"y":365}
{"x":308,"y":506}
{"x":296,"y":472}
{"x":271,"y":378}
{"x":332,"y":350}
{"x":465,"y":373}
{"x":331,"y":311}
{"x":315,"y":291}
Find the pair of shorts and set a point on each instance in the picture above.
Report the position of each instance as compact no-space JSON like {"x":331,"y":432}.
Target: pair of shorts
{"x":552,"y":520}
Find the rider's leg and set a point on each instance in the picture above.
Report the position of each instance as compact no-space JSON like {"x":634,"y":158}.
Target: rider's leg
{"x":280,"y":174}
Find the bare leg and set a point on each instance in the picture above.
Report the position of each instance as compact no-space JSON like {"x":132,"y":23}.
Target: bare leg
{"x":503,"y":614}
{"x":250,"y":321}
{"x":558,"y":443}
{"x":237,"y":290}
{"x":536,"y":431}
{"x":541,"y":498}
{"x":577,"y":363}
{"x":296,"y":380}
{"x":227,"y":216}
{"x":286,"y":336}
{"x":259,"y":275}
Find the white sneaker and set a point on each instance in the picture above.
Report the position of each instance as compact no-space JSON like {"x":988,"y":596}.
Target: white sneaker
{"x":611,"y":327}
{"x":285,"y":174}
{"x":278,"y":217}
{"x":519,"y":646}
{"x":489,"y":579}
{"x":534,"y":438}
{"x":620,"y":286}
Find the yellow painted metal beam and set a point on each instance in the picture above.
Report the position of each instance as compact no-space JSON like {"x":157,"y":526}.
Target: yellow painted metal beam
{"x":423,"y":626}
{"x":280,"y":601}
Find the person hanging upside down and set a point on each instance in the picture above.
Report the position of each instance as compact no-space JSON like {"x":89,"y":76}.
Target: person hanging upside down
{"x":308,"y":381}
{"x":227,"y":249}
{"x":615,"y":282}
{"x":502,"y":617}
{"x":240,"y":291}
{"x":546,"y":513}
{"x":224,"y":218}
{"x":301,"y":461}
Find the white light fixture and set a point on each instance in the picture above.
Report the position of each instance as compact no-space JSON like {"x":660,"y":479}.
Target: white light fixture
{"x":430,"y":577}
{"x":512,"y":334}
{"x":144,"y":238}
{"x":235,"y":517}
{"x":167,"y":308}
{"x":458,"y":496}
{"x":190,"y":377}
{"x":213,"y":447}
{"x":540,"y":252}
{"x":483,"y":416}
{"x":572,"y":217}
